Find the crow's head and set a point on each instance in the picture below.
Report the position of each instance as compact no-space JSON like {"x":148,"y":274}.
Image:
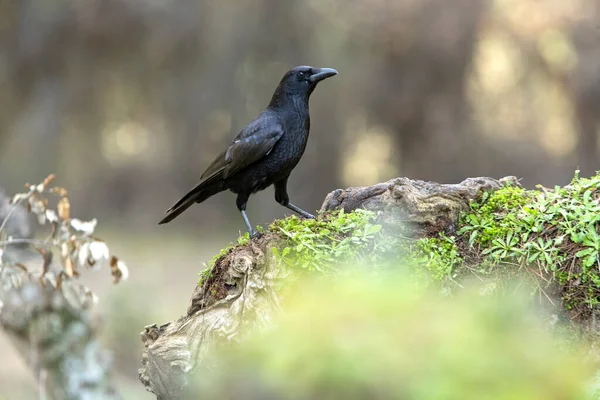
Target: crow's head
{"x":303,"y":80}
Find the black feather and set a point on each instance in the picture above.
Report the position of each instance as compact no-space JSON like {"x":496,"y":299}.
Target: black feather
{"x":266,"y":151}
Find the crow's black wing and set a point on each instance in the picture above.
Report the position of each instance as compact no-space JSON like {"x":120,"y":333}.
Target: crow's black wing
{"x":254,"y":142}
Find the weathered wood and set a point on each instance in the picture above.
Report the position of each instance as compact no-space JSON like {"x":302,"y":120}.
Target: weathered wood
{"x":417,"y":206}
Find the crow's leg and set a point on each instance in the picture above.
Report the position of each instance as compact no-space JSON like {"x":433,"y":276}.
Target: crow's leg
{"x":299,"y":211}
{"x":241,"y":201}
{"x":282,"y":198}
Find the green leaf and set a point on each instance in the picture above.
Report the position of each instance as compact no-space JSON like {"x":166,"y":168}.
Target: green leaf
{"x":532,"y":257}
{"x":584,"y":252}
{"x":472,"y":238}
{"x":464,"y":229}
{"x":591,"y":260}
{"x":373,"y":229}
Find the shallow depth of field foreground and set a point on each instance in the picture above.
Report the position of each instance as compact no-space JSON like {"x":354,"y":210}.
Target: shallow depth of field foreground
{"x":365,"y":337}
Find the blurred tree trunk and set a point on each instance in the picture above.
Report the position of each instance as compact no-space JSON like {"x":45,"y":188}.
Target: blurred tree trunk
{"x":585,"y":87}
{"x":425,"y":83}
{"x":587,"y":146}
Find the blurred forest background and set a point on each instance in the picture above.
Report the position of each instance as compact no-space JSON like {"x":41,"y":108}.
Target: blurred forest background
{"x":127,"y":101}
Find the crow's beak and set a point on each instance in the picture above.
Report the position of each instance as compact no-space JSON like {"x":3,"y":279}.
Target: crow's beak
{"x":322,"y":73}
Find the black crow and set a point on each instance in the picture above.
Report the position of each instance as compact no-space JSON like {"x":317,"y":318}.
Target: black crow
{"x":266,"y":151}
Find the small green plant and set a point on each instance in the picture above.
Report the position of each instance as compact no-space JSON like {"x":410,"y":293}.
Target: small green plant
{"x":494,"y":215}
{"x":439,"y":256}
{"x":319,"y":244}
{"x":503,"y":248}
{"x":245,"y":238}
{"x":554,"y":231}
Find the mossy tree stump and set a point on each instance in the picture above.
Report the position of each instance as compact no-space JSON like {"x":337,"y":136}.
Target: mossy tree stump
{"x":480,"y":227}
{"x":239,"y":294}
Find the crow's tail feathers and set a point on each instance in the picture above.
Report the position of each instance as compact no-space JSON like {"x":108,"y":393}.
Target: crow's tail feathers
{"x":205,"y":189}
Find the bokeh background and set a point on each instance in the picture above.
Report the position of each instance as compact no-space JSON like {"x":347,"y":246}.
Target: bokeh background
{"x":127,"y":101}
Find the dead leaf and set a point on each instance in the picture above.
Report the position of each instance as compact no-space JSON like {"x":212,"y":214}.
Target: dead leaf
{"x":86,"y":228}
{"x":64,"y":208}
{"x":118,"y":269}
{"x":69,"y":267}
{"x":54,"y":230}
{"x":23,"y":267}
{"x":47,"y":260}
{"x":83,"y":254}
{"x":48,"y":179}
{"x":18,"y":197}
{"x":98,"y":254}
{"x":62,"y":192}
{"x":64,"y":250}
{"x":51,"y":216}
{"x":37,"y":205}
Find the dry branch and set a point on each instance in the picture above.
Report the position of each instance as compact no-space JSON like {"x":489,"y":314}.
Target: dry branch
{"x":44,"y":310}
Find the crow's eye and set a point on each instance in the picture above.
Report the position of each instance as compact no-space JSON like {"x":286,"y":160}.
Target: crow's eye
{"x":301,"y":74}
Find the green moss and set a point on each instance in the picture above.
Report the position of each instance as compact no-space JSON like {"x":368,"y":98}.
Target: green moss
{"x":440,"y":257}
{"x":320,"y":244}
{"x":326,"y":243}
{"x":361,"y":337}
{"x":554,"y":233}
{"x":317,"y":244}
{"x":494,"y":215}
